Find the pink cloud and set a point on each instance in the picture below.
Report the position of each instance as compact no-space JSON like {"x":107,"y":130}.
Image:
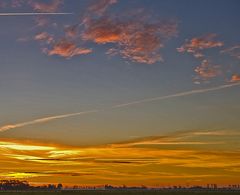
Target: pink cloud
{"x":207,"y":70}
{"x":139,"y":41}
{"x":134,"y":36}
{"x":196,"y":45}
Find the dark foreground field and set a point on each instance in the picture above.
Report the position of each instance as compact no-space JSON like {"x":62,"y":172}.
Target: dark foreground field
{"x":124,"y":193}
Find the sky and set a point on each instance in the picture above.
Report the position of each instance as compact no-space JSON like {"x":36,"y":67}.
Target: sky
{"x":120,"y":92}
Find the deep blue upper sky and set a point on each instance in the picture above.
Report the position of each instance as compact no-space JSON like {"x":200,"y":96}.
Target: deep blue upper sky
{"x":61,"y":66}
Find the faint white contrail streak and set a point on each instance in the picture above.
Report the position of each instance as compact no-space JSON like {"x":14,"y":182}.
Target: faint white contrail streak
{"x":43,"y":120}
{"x":35,"y":13}
{"x":47,"y":119}
{"x":186,"y":93}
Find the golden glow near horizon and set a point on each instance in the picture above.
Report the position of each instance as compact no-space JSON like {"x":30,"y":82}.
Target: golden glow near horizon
{"x":193,"y":157}
{"x":92,"y":96}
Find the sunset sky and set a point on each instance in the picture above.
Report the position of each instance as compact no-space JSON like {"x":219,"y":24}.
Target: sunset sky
{"x":140,"y":92}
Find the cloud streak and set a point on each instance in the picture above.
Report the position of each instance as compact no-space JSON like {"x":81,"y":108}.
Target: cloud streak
{"x":181,"y":94}
{"x":43,"y":120}
{"x":35,"y":13}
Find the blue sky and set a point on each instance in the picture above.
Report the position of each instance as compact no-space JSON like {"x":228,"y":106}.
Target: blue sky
{"x":140,"y":92}
{"x":36,"y":85}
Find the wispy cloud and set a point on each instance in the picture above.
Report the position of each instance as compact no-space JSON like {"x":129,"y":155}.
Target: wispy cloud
{"x":233,"y":51}
{"x":215,"y":133}
{"x":43,"y":120}
{"x":24,"y":147}
{"x":100,"y":6}
{"x":182,"y":138}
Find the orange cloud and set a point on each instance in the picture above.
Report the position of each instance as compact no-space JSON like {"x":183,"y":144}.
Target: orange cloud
{"x":67,"y":49}
{"x":53,"y":6}
{"x":235,"y":78}
{"x":206,"y":70}
{"x":101,"y":6}
{"x":175,"y":158}
{"x":196,"y":45}
{"x":136,"y":40}
{"x":102,"y":31}
{"x":139,"y":41}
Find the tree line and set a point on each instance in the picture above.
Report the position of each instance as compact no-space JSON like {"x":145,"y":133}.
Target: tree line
{"x":13,"y":185}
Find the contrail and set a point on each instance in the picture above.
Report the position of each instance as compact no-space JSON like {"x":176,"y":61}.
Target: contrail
{"x":43,"y":120}
{"x":47,"y":119}
{"x":35,"y":13}
{"x":186,"y":93}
